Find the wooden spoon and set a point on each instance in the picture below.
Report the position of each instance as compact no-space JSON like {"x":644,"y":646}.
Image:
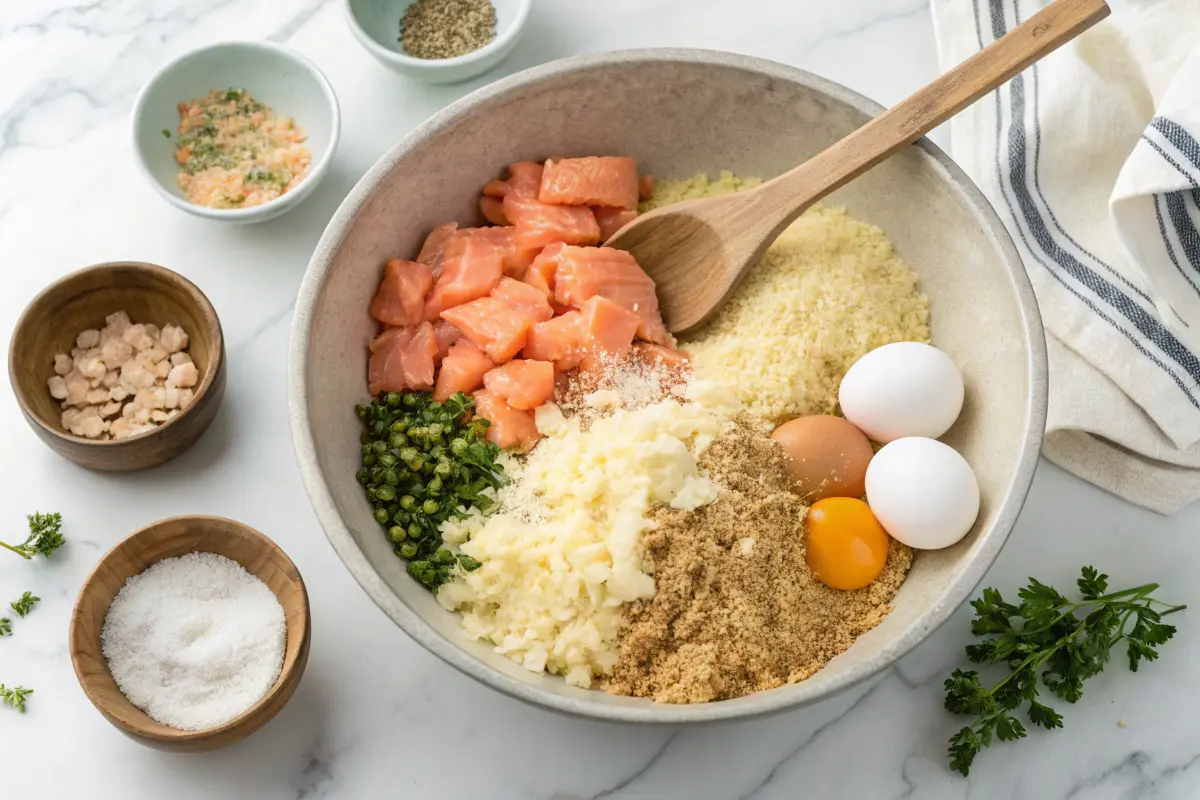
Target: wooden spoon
{"x":698,"y":251}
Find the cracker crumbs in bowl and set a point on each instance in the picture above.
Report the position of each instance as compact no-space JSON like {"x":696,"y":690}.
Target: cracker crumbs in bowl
{"x":235,"y":152}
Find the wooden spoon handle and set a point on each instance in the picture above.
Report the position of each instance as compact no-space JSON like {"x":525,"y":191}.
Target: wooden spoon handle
{"x":902,"y":124}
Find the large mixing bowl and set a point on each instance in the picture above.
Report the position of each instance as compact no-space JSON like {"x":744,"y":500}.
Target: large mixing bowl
{"x":678,"y":112}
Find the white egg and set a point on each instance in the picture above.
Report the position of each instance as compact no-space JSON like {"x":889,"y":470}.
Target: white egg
{"x":902,"y":389}
{"x":922,"y":492}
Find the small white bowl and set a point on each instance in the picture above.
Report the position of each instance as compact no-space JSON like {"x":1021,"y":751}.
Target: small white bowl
{"x":376,"y":23}
{"x":281,"y":78}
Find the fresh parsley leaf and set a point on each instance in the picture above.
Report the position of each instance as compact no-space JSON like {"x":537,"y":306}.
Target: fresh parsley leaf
{"x":44,"y":536}
{"x":25,"y":604}
{"x":166,"y":132}
{"x":1045,"y":634}
{"x":5,"y":626}
{"x":14,"y":697}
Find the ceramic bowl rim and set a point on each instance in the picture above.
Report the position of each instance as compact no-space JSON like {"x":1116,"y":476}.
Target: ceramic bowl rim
{"x":207,"y":380}
{"x":317,"y":168}
{"x":251,"y":714}
{"x":427,"y":65}
{"x":795,"y":695}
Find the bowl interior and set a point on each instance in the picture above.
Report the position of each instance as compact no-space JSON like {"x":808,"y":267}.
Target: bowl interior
{"x":380,"y":21}
{"x":719,"y":112}
{"x":81,"y":301}
{"x":290,"y":86}
{"x":169,"y":538}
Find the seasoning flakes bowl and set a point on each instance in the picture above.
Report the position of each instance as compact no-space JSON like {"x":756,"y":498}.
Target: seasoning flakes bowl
{"x":678,"y":112}
{"x":376,"y":24}
{"x":169,"y":538}
{"x":81,"y":301}
{"x":283,"y":79}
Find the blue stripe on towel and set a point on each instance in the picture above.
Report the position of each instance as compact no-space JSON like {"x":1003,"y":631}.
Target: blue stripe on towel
{"x":1178,"y":135}
{"x":1149,"y":327}
{"x":1189,"y":239}
{"x":1166,"y":238}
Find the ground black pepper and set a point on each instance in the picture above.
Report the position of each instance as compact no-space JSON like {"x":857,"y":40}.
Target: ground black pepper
{"x":434,"y":29}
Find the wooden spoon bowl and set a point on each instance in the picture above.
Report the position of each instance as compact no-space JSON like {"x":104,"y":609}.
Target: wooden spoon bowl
{"x":169,"y":538}
{"x":80,"y":301}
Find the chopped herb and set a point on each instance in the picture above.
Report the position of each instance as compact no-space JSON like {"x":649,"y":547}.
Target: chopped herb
{"x":5,"y":626}
{"x":166,"y":132}
{"x":426,"y":462}
{"x":15,"y":697}
{"x":44,"y":536}
{"x":234,"y":94}
{"x":1044,"y":633}
{"x":24,"y":605}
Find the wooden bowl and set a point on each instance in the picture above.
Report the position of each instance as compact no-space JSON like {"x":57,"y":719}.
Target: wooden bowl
{"x":82,"y":300}
{"x":169,"y":538}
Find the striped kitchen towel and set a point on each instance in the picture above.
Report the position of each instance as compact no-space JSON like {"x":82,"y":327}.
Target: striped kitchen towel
{"x":1092,"y":159}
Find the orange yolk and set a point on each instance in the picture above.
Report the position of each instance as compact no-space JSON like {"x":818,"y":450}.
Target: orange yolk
{"x":845,"y":546}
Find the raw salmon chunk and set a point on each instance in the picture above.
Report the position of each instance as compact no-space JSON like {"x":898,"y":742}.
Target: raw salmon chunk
{"x":515,"y":260}
{"x":612,"y":220}
{"x":607,"y":327}
{"x":401,"y":296}
{"x":471,"y":269}
{"x":560,"y":340}
{"x":510,"y":428}
{"x":524,"y":179}
{"x":657,"y":354}
{"x":495,"y":327}
{"x":539,"y":224}
{"x":525,"y":298}
{"x":385,"y":372}
{"x":446,"y":335}
{"x":416,"y":358}
{"x":462,"y":370}
{"x":591,"y":181}
{"x":523,"y":384}
{"x":584,"y":272}
{"x":541,"y":272}
{"x":433,"y":250}
{"x":492,"y":209}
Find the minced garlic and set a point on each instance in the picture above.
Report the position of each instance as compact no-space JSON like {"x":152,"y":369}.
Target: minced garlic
{"x":829,"y":289}
{"x":563,"y":553}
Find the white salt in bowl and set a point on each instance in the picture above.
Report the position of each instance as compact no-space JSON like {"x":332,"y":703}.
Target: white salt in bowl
{"x":376,"y":25}
{"x":678,"y":112}
{"x":169,"y":538}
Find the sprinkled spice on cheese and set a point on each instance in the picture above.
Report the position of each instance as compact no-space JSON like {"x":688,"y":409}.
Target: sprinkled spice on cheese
{"x":830,"y":289}
{"x":236,"y":152}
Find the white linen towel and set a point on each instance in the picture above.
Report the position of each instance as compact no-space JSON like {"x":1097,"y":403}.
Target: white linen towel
{"x":1092,"y":159}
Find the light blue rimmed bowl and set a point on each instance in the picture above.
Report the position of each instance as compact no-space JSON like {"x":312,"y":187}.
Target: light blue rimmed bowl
{"x":278,"y":76}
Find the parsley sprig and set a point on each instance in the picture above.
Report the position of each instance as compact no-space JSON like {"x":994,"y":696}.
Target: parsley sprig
{"x":44,"y":538}
{"x":1046,"y":633}
{"x":25,"y":604}
{"x":5,"y":626}
{"x":15,"y":696}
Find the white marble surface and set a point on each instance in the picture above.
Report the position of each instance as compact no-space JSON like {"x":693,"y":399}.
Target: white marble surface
{"x":376,"y":716}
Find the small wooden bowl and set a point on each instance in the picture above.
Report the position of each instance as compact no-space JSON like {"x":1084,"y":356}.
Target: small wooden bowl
{"x":82,"y":300}
{"x":169,"y":538}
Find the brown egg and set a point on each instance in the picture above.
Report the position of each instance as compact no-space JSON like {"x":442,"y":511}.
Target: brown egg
{"x":827,"y":456}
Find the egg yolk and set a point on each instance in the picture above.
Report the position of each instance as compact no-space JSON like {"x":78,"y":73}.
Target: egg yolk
{"x":845,"y":546}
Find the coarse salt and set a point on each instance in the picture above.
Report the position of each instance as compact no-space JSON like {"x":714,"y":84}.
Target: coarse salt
{"x":194,"y":641}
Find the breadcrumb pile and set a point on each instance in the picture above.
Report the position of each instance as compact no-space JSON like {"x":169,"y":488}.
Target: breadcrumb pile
{"x":829,"y":290}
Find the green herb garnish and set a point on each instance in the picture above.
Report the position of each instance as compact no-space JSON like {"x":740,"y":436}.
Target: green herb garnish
{"x":233,"y":94}
{"x":15,"y":697}
{"x":166,"y":133}
{"x":425,"y":462}
{"x":24,"y":605}
{"x":44,"y":536}
{"x":5,"y":626}
{"x":1044,"y":633}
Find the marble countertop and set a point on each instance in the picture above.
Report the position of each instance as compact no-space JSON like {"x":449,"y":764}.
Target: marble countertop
{"x":376,"y":715}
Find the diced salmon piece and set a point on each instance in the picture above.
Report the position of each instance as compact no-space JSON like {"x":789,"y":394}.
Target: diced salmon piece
{"x":541,"y":271}
{"x":539,"y":224}
{"x":523,"y":384}
{"x":385,"y":372}
{"x":496,"y":188}
{"x":432,"y":252}
{"x":510,"y":428}
{"x":471,"y":270}
{"x":590,"y":181}
{"x":462,"y":370}
{"x":525,"y":298}
{"x":515,"y":260}
{"x":492,"y":209}
{"x":584,"y":272}
{"x":524,"y":179}
{"x":495,"y":327}
{"x":446,"y":335}
{"x":607,"y":327}
{"x":645,"y":187}
{"x":401,"y":296}
{"x":657,"y":354}
{"x":560,"y":340}
{"x":416,"y":358}
{"x":612,"y":220}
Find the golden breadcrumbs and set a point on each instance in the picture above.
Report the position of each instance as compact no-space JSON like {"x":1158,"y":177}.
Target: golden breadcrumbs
{"x":830,"y":289}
